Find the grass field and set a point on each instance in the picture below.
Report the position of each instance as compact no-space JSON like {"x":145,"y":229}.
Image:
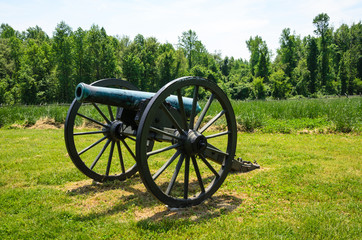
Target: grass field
{"x":308,"y":187}
{"x":287,"y":116}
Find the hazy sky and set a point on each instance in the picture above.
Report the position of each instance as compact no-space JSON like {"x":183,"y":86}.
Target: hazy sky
{"x":222,"y":26}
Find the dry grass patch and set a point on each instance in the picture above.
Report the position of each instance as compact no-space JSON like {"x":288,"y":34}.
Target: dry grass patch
{"x":131,"y":200}
{"x":46,"y":123}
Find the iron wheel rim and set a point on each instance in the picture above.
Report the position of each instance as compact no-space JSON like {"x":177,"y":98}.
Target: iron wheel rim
{"x":189,"y":159}
{"x":71,"y":140}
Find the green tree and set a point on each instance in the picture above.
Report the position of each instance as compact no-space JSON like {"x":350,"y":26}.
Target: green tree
{"x":312,"y":63}
{"x":108,"y":59}
{"x":351,"y":58}
{"x":348,"y":56}
{"x":146,"y":51}
{"x":262,"y":69}
{"x":280,"y":86}
{"x":35,"y":71}
{"x":133,"y":68}
{"x":188,"y":42}
{"x":28,"y":88}
{"x":236,"y":87}
{"x":342,"y":75}
{"x":16,"y":46}
{"x":356,"y":33}
{"x":180,"y":64}
{"x":323,"y":30}
{"x":149,"y":56}
{"x":166,"y":64}
{"x":36,"y":33}
{"x":342,"y":40}
{"x":302,"y":79}
{"x":258,"y":89}
{"x":253,"y":45}
{"x":289,"y":51}
{"x":259,"y":57}
{"x":13,"y":44}
{"x":7,"y":65}
{"x":82,"y":67}
{"x":10,"y":55}
{"x":100,"y":53}
{"x":6,"y":31}
{"x":35,"y":68}
{"x":225,"y":67}
{"x":6,"y":70}
{"x":63,"y":55}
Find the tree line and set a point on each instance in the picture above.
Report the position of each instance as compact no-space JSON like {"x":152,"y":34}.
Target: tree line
{"x":38,"y":69}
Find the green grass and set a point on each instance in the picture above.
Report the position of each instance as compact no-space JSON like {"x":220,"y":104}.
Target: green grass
{"x":309,"y":187}
{"x":287,"y":116}
{"x":27,"y":115}
{"x":331,"y":115}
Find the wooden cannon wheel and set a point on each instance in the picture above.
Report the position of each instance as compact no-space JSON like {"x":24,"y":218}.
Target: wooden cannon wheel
{"x":98,"y":150}
{"x":193,"y":165}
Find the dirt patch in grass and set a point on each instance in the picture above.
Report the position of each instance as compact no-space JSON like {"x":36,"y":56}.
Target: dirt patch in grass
{"x":219,"y":204}
{"x":46,"y":123}
{"x":50,"y":123}
{"x":131,"y":199}
{"x":108,"y":198}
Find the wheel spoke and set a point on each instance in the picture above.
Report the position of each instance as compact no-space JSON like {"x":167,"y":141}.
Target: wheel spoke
{"x":174,"y":176}
{"x":88,"y":133}
{"x":182,"y":109}
{"x":119,"y":113}
{"x":163,"y":149}
{"x":177,"y":125}
{"x":110,"y":113}
{"x":197,"y":170}
{"x":101,"y":113}
{"x":129,"y":149}
{"x":92,"y":120}
{"x":92,"y":145}
{"x":162,"y":169}
{"x":218,"y":135}
{"x":214,"y":119}
{"x":120,"y":157}
{"x":193,"y":110}
{"x":110,"y":159}
{"x":164,"y":133}
{"x":209,"y":166}
{"x":204,"y":111}
{"x":100,"y":154}
{"x":133,"y":139}
{"x":186,"y":181}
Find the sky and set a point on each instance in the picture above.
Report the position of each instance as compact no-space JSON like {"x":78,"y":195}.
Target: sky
{"x":222,"y":26}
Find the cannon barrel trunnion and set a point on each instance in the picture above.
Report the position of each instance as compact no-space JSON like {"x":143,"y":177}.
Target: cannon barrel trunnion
{"x":181,"y":139}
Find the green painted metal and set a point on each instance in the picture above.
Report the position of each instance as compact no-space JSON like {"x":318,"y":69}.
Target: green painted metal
{"x":129,"y":99}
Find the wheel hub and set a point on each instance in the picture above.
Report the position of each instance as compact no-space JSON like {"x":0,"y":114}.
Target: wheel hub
{"x":115,"y":131}
{"x":194,"y":143}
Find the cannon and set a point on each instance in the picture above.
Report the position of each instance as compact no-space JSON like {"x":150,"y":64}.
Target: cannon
{"x":181,"y":139}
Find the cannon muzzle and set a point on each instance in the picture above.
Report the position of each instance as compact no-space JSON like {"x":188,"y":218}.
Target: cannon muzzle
{"x":128,"y":99}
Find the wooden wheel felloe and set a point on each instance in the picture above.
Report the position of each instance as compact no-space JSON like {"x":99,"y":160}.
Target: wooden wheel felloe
{"x":99,"y":150}
{"x":193,"y":164}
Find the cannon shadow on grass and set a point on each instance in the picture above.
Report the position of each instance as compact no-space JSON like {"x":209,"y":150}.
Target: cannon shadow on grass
{"x":146,"y":209}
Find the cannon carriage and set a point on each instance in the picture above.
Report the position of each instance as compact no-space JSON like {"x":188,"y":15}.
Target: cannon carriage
{"x":181,"y":139}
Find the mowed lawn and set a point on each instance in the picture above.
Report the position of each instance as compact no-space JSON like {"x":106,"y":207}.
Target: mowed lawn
{"x":308,"y":187}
